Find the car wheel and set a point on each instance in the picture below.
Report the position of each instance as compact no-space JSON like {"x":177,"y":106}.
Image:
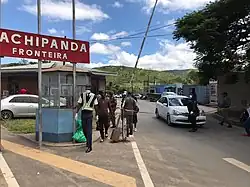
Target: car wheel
{"x":168,"y":120}
{"x":157,"y":113}
{"x":6,"y":114}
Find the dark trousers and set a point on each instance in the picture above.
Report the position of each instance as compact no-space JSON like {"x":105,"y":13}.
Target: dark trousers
{"x":87,"y":127}
{"x":192,"y":120}
{"x":112,"y":117}
{"x":103,"y":125}
{"x":247,"y":126}
{"x":129,"y":122}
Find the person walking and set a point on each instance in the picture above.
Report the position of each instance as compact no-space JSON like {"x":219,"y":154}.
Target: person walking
{"x":193,"y":95}
{"x":135,"y":117}
{"x":193,"y":112}
{"x":223,"y":107}
{"x":245,"y":119}
{"x":97,"y":119}
{"x":87,"y":102}
{"x":113,"y":105}
{"x":129,"y":105}
{"x":103,"y":114}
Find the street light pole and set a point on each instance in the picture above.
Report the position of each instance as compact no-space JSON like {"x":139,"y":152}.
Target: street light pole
{"x":39,"y":77}
{"x":74,"y":64}
{"x":143,"y":41}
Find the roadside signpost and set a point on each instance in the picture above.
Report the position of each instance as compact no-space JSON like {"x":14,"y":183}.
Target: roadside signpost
{"x":35,"y":46}
{"x":19,"y":44}
{"x":74,"y":64}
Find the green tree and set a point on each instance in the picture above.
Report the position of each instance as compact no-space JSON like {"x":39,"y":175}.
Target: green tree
{"x":217,"y":33}
{"x":193,"y":77}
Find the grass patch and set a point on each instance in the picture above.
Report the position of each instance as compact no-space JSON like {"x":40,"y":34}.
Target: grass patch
{"x":22,"y":126}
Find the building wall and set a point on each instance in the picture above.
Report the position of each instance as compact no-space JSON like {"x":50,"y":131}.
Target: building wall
{"x":98,"y":83}
{"x":201,"y":91}
{"x":50,"y":82}
{"x":238,"y":92}
{"x":102,"y":84}
{"x":14,"y":82}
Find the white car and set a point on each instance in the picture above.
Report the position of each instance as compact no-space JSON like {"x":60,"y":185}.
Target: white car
{"x":168,"y":93}
{"x":173,"y":108}
{"x":22,"y":105}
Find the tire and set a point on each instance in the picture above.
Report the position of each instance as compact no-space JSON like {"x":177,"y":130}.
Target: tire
{"x":6,"y":115}
{"x":157,"y":113}
{"x":168,"y":120}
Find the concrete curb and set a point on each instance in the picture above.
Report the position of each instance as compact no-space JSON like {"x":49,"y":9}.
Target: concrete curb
{"x":48,"y":144}
{"x":234,"y":123}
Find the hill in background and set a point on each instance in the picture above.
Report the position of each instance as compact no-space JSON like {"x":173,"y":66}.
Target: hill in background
{"x":143,"y":76}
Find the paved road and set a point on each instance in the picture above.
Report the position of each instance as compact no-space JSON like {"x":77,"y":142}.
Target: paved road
{"x":175,"y":157}
{"x":172,"y":156}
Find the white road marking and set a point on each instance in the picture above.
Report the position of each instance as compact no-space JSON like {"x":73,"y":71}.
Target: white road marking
{"x":8,"y":175}
{"x":142,"y":167}
{"x":157,"y":152}
{"x":237,"y":163}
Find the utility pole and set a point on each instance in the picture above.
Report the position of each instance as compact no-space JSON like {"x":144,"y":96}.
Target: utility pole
{"x":143,"y":42}
{"x":39,"y":78}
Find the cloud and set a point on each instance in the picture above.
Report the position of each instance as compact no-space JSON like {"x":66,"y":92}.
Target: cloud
{"x":103,"y":36}
{"x":55,"y":32}
{"x":169,"y":56}
{"x":166,"y":6}
{"x":125,"y":44}
{"x":52,"y":31}
{"x":62,"y":10}
{"x":99,"y":48}
{"x":82,"y":29}
{"x":99,"y":36}
{"x":117,"y":4}
{"x":171,"y":21}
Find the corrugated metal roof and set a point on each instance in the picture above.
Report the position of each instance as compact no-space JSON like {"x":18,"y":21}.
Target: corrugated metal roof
{"x":30,"y":66}
{"x":100,"y":72}
{"x":66,"y":68}
{"x":54,"y":66}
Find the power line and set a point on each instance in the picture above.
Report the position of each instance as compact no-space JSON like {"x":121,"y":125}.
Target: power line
{"x":135,"y":34}
{"x":132,"y":37}
{"x":143,"y":29}
{"x":154,"y":29}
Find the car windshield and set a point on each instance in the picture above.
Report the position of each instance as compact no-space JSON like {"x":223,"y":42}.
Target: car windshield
{"x":178,"y":101}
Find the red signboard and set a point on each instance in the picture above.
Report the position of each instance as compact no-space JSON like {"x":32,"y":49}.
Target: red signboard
{"x":34,"y":46}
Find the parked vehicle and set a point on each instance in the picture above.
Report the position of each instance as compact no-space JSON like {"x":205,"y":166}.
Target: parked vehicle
{"x":22,"y":105}
{"x":168,"y":93}
{"x":173,"y":108}
{"x":143,"y":97}
{"x":138,"y":96}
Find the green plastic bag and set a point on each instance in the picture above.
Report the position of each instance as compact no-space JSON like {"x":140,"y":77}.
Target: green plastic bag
{"x":79,"y":136}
